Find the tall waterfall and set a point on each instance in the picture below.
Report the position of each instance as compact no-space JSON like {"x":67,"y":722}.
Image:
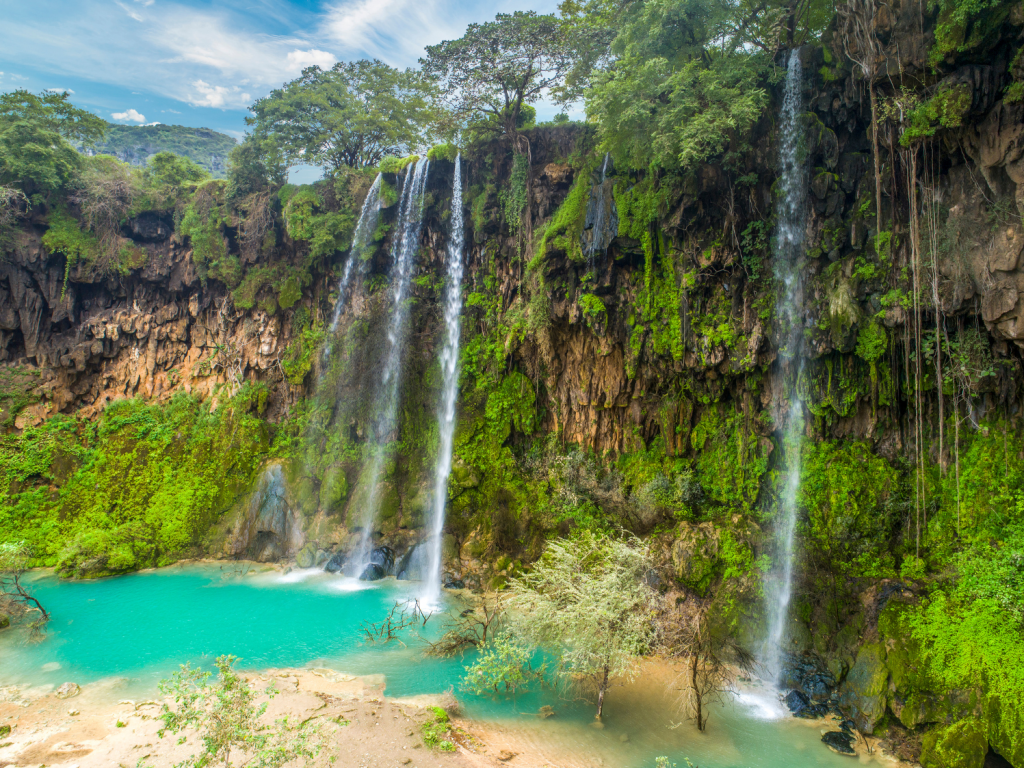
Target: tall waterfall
{"x":598,"y":223}
{"x":365,"y":227}
{"x":449,"y":390}
{"x":403,"y":253}
{"x":790,"y":212}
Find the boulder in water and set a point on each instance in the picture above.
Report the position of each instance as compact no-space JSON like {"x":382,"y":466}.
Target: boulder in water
{"x":306,"y":557}
{"x":5,"y":621}
{"x":839,"y":742}
{"x":796,"y":702}
{"x":453,"y":582}
{"x":372,"y":572}
{"x":335,"y":563}
{"x":382,"y":561}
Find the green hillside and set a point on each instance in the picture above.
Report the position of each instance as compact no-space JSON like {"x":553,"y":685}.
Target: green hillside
{"x":135,"y":143}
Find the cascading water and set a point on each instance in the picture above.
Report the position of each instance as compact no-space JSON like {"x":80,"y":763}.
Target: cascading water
{"x":365,"y":227}
{"x":403,"y":252}
{"x":598,"y":225}
{"x":449,"y":390}
{"x":789,"y":250}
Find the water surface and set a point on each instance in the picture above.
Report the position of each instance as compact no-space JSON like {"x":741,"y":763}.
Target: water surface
{"x":141,"y":627}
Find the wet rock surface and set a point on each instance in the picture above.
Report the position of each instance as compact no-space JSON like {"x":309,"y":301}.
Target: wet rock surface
{"x":839,"y":742}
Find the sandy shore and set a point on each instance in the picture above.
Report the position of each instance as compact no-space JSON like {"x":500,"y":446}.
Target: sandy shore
{"x":95,"y":729}
{"x":361,"y":728}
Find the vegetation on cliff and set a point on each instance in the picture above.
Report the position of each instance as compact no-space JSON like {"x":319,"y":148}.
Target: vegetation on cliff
{"x":630,"y":387}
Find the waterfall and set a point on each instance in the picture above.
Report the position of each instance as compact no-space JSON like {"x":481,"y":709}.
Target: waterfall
{"x":365,"y":227}
{"x":790,"y":212}
{"x":598,"y":227}
{"x":403,"y":253}
{"x":449,"y":390}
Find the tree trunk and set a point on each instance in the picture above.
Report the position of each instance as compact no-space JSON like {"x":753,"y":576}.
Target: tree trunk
{"x":697,"y":703}
{"x":600,"y":693}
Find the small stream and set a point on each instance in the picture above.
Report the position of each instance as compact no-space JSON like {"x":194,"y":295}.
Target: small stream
{"x":140,"y":627}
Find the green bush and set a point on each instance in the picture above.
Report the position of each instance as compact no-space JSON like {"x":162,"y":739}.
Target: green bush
{"x":139,"y":488}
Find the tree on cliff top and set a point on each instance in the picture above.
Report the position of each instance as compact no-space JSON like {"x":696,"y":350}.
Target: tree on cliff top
{"x":354,"y":114}
{"x":496,"y":68}
{"x":35,"y":131}
{"x":587,"y":600}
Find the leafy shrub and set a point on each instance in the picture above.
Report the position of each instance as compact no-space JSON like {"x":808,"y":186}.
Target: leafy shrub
{"x":443,"y":152}
{"x":65,"y":236}
{"x":436,"y":729}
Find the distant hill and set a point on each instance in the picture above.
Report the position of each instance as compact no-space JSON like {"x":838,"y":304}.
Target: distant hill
{"x":135,"y":143}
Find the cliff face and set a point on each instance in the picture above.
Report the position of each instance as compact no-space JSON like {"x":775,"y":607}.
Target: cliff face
{"x":621,"y":364}
{"x":150,"y":333}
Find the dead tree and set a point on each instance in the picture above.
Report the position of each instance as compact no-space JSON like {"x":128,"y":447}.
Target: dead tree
{"x":709,"y":655}
{"x":469,"y":629}
{"x":14,"y":561}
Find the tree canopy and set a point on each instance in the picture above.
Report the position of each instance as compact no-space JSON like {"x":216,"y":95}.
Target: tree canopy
{"x":680,"y":78}
{"x":586,"y":599}
{"x":492,"y":71}
{"x":354,"y":114}
{"x":35,"y":131}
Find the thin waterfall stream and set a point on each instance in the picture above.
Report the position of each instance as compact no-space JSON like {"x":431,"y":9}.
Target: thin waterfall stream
{"x":369,"y":216}
{"x":449,"y":391}
{"x":403,"y":254}
{"x":790,"y":214}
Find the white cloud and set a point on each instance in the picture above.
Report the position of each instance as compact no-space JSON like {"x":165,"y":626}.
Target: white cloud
{"x":299,"y":60}
{"x":57,"y":90}
{"x":206,"y":95}
{"x":132,"y":13}
{"x":129,"y":116}
{"x":157,"y":122}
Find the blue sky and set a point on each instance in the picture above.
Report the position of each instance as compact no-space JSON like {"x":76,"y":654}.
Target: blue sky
{"x":186,"y":62}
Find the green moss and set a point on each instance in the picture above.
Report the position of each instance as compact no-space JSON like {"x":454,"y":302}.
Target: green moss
{"x":308,"y":218}
{"x":138,"y":489}
{"x":65,"y":236}
{"x":566,"y":226}
{"x":960,"y":745}
{"x":731,"y":459}
{"x":443,"y":152}
{"x":946,"y":109}
{"x":396,"y":164}
{"x":594,"y":312}
{"x":202,"y":223}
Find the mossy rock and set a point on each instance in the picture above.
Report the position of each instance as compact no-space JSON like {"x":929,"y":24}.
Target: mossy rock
{"x":334,"y":490}
{"x":464,"y":477}
{"x":695,"y":555}
{"x":960,"y":745}
{"x":5,"y":621}
{"x":306,"y":557}
{"x":866,"y":686}
{"x":1005,"y":728}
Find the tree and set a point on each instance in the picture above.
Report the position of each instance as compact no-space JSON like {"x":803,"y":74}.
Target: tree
{"x":492,"y":71}
{"x":35,"y":131}
{"x":14,"y":560}
{"x":170,"y":170}
{"x":682,"y":78}
{"x":354,"y":114}
{"x":256,"y":165}
{"x":228,"y":719}
{"x":682,"y":81}
{"x":687,"y":632}
{"x":587,"y":601}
